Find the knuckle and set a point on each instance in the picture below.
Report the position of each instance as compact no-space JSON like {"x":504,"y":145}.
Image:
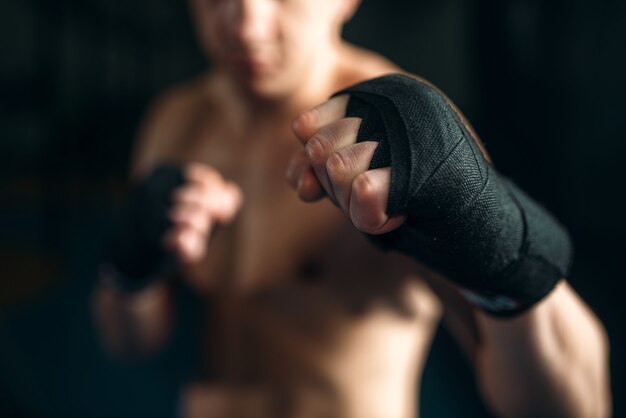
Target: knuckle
{"x":338,"y":165}
{"x":310,"y":117}
{"x":316,"y":149}
{"x":366,"y":217}
{"x":204,"y":174}
{"x":309,"y":188}
{"x":366,"y":212}
{"x":199,"y":224}
{"x":363,"y":190}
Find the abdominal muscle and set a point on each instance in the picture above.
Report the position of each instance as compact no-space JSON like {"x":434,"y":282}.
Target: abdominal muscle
{"x":302,"y":350}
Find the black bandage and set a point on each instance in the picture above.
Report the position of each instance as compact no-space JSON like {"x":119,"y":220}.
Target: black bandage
{"x":135,"y":249}
{"x":464,"y":218}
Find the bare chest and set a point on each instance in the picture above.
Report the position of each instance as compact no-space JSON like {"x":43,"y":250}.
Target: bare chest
{"x":278,"y":242}
{"x":276,"y":236}
{"x":299,"y":292}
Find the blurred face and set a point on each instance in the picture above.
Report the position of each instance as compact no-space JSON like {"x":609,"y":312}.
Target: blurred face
{"x":269,"y":47}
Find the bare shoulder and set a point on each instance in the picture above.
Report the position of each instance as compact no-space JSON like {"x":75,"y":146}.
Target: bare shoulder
{"x":359,"y":64}
{"x":169,"y":123}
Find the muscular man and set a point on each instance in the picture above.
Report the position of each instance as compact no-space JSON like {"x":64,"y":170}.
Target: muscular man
{"x":308,"y":318}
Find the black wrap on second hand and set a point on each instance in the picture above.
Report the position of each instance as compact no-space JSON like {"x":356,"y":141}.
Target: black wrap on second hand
{"x":464,"y":218}
{"x":134,"y":252}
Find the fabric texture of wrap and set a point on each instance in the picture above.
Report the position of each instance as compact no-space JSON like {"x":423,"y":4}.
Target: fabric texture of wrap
{"x":465,"y":219}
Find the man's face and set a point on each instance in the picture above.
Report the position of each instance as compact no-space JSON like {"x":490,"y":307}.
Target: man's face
{"x":267,"y":46}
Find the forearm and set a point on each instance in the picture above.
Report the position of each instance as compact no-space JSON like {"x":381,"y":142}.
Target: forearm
{"x":132,"y":300}
{"x":502,"y":251}
{"x":551,"y":361}
{"x":133,"y":324}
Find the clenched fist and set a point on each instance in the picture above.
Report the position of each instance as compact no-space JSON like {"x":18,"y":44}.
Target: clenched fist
{"x":168,"y":219}
{"x":333,"y":164}
{"x":204,"y":200}
{"x":403,"y":163}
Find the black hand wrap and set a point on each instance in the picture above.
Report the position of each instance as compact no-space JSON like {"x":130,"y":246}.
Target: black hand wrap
{"x":464,"y":218}
{"x":135,"y":249}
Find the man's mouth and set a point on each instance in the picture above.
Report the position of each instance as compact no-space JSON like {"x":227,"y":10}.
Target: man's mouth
{"x":253,"y":63}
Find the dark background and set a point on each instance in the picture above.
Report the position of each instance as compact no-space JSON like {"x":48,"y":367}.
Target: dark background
{"x":543,"y":83}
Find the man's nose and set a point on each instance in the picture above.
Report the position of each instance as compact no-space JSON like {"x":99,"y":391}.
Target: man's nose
{"x":252,"y":20}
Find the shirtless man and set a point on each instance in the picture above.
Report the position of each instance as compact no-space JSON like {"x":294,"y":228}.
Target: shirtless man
{"x":308,"y":318}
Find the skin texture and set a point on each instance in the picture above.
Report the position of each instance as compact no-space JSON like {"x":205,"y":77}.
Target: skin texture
{"x":523,"y":364}
{"x":306,"y":318}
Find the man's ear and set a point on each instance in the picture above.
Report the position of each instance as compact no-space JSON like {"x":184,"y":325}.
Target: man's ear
{"x":348,"y":9}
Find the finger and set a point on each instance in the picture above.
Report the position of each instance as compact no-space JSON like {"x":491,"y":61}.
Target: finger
{"x":202,"y":173}
{"x":221,"y":201}
{"x":296,"y":166}
{"x":368,"y":202}
{"x":344,"y":165}
{"x":192,"y":216}
{"x":311,"y":121}
{"x":301,"y":177}
{"x":195,"y":194}
{"x":223,"y":198}
{"x":234,"y":196}
{"x":325,"y":142}
{"x":186,"y":244}
{"x":309,"y":187}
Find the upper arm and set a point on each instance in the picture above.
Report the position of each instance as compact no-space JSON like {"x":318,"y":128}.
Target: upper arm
{"x":169,"y":121}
